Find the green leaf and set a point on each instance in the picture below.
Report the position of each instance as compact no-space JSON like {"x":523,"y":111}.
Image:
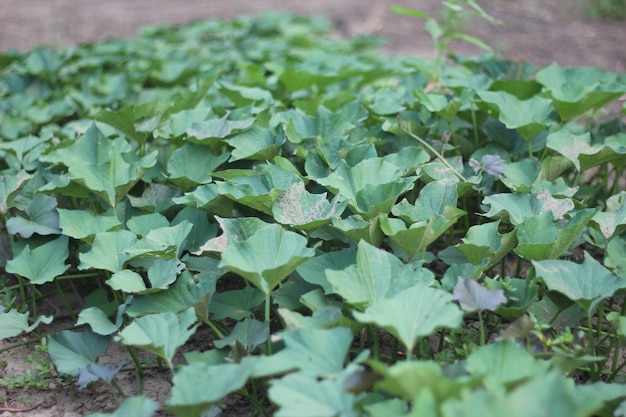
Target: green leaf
{"x":122,"y":120}
{"x":83,"y":225}
{"x":540,"y":238}
{"x":248,"y":333}
{"x":543,"y":391}
{"x":70,"y":351}
{"x":14,"y":323}
{"x":10,"y":186}
{"x":237,"y":229}
{"x":433,"y":213}
{"x":97,"y":320}
{"x":371,"y":187}
{"x":335,"y":260}
{"x":586,"y":283}
{"x":483,"y":241}
{"x":198,"y":386}
{"x":165,"y":242}
{"x":503,"y":364}
{"x":611,"y":221}
{"x":207,"y":197}
{"x":256,"y":144}
{"x":528,"y":117}
{"x":520,"y":295}
{"x":156,"y":198}
{"x":43,"y":218}
{"x":266,"y":257}
{"x":376,"y":275}
{"x":127,"y":281}
{"x":106,"y":167}
{"x":409,"y":379}
{"x":578,"y":89}
{"x":314,"y":352}
{"x":357,"y":229}
{"x":299,"y":395}
{"x":212,"y":131}
{"x":584,"y":154}
{"x":132,"y":406}
{"x":42,"y":264}
{"x":410,"y":12}
{"x":518,"y":207}
{"x":259,"y":191}
{"x":184,"y":293}
{"x":142,"y":224}
{"x":161,"y":334}
{"x":305,"y":211}
{"x":236,"y":304}
{"x":415,"y":312}
{"x":191,"y":165}
{"x":108,"y":251}
{"x":615,"y":256}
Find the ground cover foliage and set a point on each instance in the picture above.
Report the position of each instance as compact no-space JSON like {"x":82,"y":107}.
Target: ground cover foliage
{"x":363,"y":235}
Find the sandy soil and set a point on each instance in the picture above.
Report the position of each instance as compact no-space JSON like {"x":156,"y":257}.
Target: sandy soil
{"x":539,"y":31}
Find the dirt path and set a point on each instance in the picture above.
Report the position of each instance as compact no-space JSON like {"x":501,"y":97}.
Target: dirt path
{"x":539,"y":31}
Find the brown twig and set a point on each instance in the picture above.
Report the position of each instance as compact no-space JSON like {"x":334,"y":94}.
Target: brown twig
{"x":21,"y":410}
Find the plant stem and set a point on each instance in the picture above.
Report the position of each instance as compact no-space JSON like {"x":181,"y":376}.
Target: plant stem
{"x":19,"y":344}
{"x":268,"y":342}
{"x":432,"y":150}
{"x":592,"y":346}
{"x":376,"y":343}
{"x":215,"y":330}
{"x":138,"y":368}
{"x":482,"y":328}
{"x":255,"y":402}
{"x":64,"y":300}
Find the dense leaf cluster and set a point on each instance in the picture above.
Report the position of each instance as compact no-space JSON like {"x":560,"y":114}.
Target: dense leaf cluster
{"x":412,"y":241}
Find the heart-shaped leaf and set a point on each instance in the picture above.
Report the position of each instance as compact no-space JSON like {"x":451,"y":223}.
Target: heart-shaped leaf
{"x":71,"y":351}
{"x":586,"y":283}
{"x":198,"y":386}
{"x":371,"y":186}
{"x":413,"y":313}
{"x":376,"y":275}
{"x":42,"y":264}
{"x":161,"y":334}
{"x":528,"y":117}
{"x":300,"y":395}
{"x":582,"y":153}
{"x":504,"y":363}
{"x":266,"y":257}
{"x":540,"y":238}
{"x":578,"y":89}
{"x":248,"y":333}
{"x":43,"y":218}
{"x":108,"y":251}
{"x":83,"y":225}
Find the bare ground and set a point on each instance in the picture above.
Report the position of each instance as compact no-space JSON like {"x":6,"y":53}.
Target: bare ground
{"x":539,"y":31}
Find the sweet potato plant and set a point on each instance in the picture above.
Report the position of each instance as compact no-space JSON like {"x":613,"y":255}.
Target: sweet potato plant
{"x":361,"y":238}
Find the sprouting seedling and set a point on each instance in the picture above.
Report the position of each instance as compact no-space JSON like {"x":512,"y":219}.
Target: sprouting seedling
{"x":445,"y":29}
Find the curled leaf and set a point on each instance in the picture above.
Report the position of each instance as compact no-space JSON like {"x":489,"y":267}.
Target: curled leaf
{"x":473,"y":297}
